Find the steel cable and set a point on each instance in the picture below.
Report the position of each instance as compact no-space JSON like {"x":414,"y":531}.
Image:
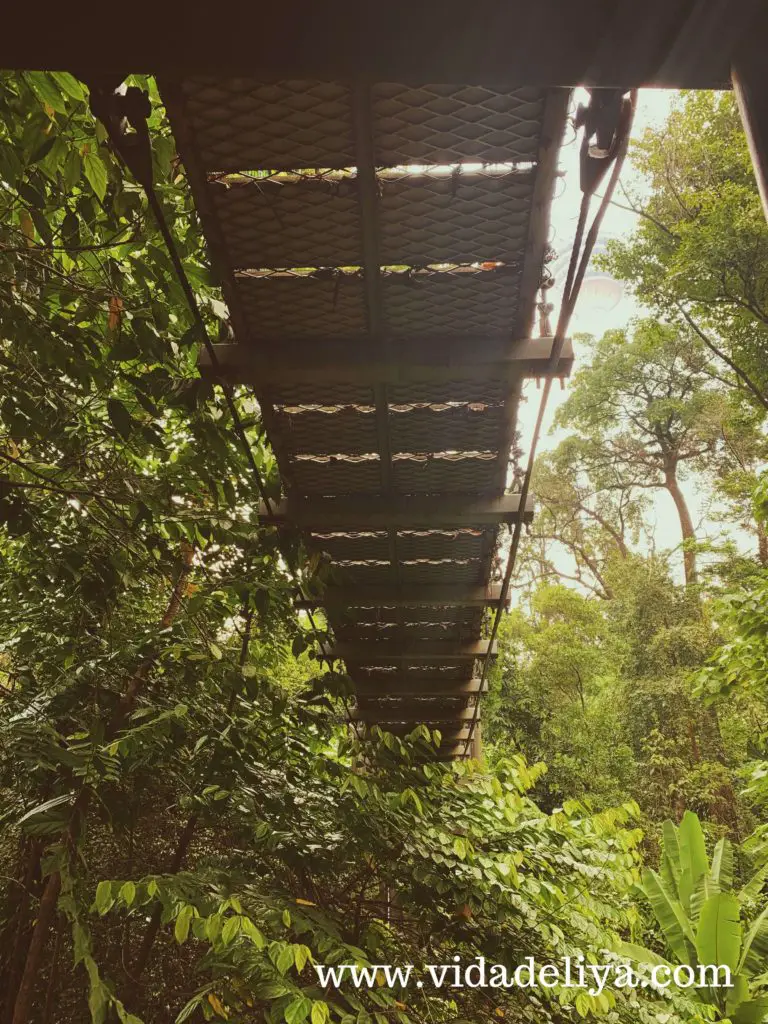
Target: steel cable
{"x":577,"y":267}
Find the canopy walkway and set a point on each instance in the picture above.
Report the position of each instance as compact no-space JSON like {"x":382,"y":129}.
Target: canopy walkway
{"x":382,"y":247}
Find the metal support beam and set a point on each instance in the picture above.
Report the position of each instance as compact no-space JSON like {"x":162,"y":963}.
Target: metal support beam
{"x":288,"y":363}
{"x":449,"y":734}
{"x":427,"y":689}
{"x":448,"y":752}
{"x":409,"y":713}
{"x":441,"y":595}
{"x":410,"y":512}
{"x":477,"y":741}
{"x":671,"y":43}
{"x":436,"y":651}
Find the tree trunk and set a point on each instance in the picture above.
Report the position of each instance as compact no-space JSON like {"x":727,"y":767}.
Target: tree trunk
{"x":30,"y":980}
{"x":153,"y":926}
{"x":686,"y":523}
{"x":762,"y":543}
{"x":17,"y":933}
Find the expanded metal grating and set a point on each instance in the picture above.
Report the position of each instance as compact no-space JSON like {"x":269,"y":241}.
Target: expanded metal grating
{"x":379,"y":224}
{"x":455,"y":218}
{"x":303,"y":307}
{"x":243,"y":125}
{"x":273,"y":223}
{"x":445,"y":124}
{"x":452,"y":304}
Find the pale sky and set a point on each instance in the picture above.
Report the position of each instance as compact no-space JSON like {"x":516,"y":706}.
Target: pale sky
{"x":591,"y":315}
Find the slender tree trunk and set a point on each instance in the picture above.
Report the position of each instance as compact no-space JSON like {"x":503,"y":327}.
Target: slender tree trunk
{"x":46,"y":913}
{"x":16,"y":936}
{"x":594,"y":568}
{"x":762,"y":543}
{"x":686,"y":523}
{"x":53,"y":978}
{"x":153,"y":926}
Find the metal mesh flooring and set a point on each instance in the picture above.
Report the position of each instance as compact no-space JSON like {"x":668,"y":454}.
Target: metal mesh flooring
{"x":381,"y":247}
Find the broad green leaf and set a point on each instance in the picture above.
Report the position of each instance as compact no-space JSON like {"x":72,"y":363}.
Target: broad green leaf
{"x":250,"y":930}
{"x":640,"y":955}
{"x":722,"y":863}
{"x":718,"y":936}
{"x":95,"y":172}
{"x":72,"y":169}
{"x":43,"y":150}
{"x":751,"y":1011}
{"x":297,"y":1010}
{"x":103,"y":899}
{"x":231,"y":928}
{"x":704,"y":888}
{"x":693,"y":851}
{"x":738,"y":993}
{"x":183,"y":921}
{"x":693,"y":857}
{"x":284,"y":959}
{"x":213,"y":927}
{"x":320,"y":1012}
{"x":670,"y":860}
{"x":121,"y":419}
{"x":754,"y":952}
{"x":98,"y":1001}
{"x":127,"y":893}
{"x":271,"y":990}
{"x":301,"y":955}
{"x":47,"y":90}
{"x":69,"y":85}
{"x":671,"y":918}
{"x":583,"y":1004}
{"x":299,"y":645}
{"x":752,"y":889}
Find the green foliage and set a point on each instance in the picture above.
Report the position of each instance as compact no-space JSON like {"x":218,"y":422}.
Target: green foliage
{"x":177,"y":785}
{"x":701,"y":918}
{"x":584,"y":513}
{"x":460,"y":855}
{"x":201,"y":834}
{"x":700,"y":251}
{"x":647,"y":414}
{"x":600,"y":690}
{"x":738,"y":670}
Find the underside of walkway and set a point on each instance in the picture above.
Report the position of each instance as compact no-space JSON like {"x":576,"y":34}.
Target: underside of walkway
{"x":382,"y":247}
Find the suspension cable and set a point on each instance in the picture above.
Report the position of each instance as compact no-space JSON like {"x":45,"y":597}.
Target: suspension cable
{"x":576,"y":270}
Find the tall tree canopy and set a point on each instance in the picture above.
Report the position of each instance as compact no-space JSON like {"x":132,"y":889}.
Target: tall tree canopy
{"x":700,"y":252}
{"x":646,"y":410}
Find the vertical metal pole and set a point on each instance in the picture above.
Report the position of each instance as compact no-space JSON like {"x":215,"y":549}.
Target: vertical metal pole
{"x":750,"y":84}
{"x":477,"y":739}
